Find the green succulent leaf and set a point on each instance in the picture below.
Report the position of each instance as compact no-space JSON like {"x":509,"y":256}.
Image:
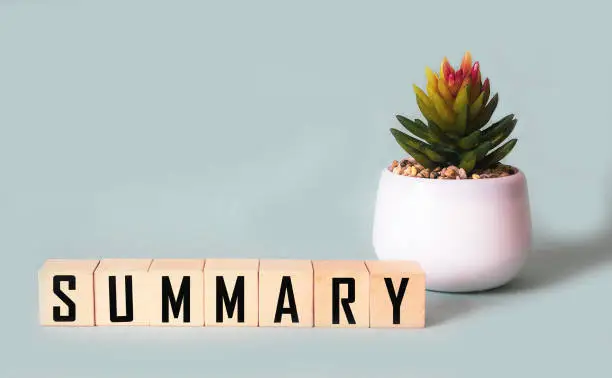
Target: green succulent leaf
{"x":485,"y":115}
{"x":492,"y":130}
{"x":454,"y":136}
{"x":468,"y":142}
{"x":410,"y":149}
{"x":498,"y":154}
{"x":421,"y":159}
{"x":483,"y":149}
{"x":425,"y":112}
{"x":503,"y":134}
{"x":452,"y":156}
{"x":468,"y":161}
{"x":437,"y":133}
{"x":462,"y":120}
{"x":405,"y":140}
{"x":413,"y":127}
{"x":420,"y":130}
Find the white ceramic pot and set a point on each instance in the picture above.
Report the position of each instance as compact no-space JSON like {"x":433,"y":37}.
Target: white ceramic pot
{"x":468,"y":235}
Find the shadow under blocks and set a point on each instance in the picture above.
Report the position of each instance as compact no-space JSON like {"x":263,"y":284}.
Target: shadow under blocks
{"x":232,"y":292}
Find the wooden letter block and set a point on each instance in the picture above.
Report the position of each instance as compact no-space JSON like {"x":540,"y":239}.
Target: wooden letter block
{"x":231,"y":292}
{"x":66,"y":292}
{"x":285,"y":293}
{"x":341,"y":293}
{"x":397,"y":294}
{"x":176,"y":292}
{"x":122,"y":296}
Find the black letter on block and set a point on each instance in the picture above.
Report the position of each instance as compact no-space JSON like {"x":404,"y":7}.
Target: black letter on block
{"x":286,"y":288}
{"x":168,"y":298}
{"x":336,"y":282}
{"x":237,"y":299}
{"x":129,"y":300}
{"x":396,"y":301}
{"x":57,"y":280}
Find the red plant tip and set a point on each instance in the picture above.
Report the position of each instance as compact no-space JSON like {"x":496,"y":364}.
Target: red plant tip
{"x":485,"y":85}
{"x":466,"y":63}
{"x":459,"y":75}
{"x":475,"y":72}
{"x":448,"y":70}
{"x":450,"y":79}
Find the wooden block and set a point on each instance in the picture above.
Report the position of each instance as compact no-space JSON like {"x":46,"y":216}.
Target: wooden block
{"x":231,"y":292}
{"x":66,"y":292}
{"x":397,"y":294}
{"x":285,"y":293}
{"x":122,"y":296}
{"x":177,"y":292}
{"x":341,"y":293}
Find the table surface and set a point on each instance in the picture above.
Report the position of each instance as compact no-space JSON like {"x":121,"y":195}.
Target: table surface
{"x":552,"y":320}
{"x":196,"y":129}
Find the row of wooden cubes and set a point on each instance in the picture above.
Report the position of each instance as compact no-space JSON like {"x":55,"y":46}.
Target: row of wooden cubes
{"x":231,"y":292}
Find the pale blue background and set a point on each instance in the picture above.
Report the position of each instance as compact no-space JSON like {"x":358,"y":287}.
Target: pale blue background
{"x":259,"y":128}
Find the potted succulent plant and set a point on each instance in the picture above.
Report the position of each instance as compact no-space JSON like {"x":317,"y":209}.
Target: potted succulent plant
{"x":451,"y":205}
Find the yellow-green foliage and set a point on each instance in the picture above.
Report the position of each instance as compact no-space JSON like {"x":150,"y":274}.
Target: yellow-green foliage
{"x":456,"y":107}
